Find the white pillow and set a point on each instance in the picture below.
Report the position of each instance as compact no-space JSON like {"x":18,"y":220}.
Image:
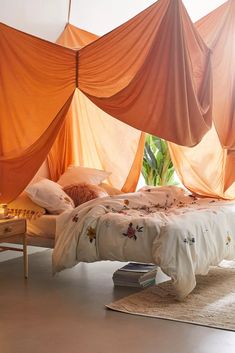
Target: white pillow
{"x":76,"y":175}
{"x":48,"y":194}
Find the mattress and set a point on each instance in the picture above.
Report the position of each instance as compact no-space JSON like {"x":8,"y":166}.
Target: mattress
{"x":44,"y":226}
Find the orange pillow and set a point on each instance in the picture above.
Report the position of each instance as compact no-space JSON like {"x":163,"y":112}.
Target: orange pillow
{"x":83,"y":192}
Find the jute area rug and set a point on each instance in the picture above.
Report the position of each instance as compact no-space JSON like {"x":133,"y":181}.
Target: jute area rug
{"x":212,"y":303}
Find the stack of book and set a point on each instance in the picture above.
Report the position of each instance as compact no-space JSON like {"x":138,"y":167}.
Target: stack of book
{"x":135,"y":274}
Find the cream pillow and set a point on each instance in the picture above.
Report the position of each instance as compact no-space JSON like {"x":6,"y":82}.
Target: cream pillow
{"x":49,"y":195}
{"x":76,"y":175}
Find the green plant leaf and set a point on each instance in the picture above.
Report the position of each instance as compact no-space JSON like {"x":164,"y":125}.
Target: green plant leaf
{"x":157,"y":166}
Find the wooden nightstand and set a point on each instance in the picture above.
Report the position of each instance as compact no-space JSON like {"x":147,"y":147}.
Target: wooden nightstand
{"x":10,"y":228}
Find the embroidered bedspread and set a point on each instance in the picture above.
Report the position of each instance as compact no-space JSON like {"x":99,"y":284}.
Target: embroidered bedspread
{"x":184,"y":235}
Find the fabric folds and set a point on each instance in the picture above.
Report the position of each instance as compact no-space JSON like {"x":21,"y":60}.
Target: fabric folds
{"x":91,"y":138}
{"x":17,"y":170}
{"x":152,"y":73}
{"x":209,"y":168}
{"x":37,"y":81}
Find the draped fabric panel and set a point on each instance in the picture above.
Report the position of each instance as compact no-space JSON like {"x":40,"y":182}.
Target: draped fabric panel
{"x":37,"y":80}
{"x":152,"y":73}
{"x":209,"y":168}
{"x":90,"y":137}
{"x":222,"y":44}
{"x":202,"y":168}
{"x":18,"y":171}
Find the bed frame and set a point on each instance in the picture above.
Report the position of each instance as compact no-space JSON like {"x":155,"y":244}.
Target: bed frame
{"x":33,"y":240}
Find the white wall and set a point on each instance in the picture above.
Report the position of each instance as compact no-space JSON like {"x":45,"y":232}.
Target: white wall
{"x":101,"y":16}
{"x":43,"y":18}
{"x":200,"y":8}
{"x":46,"y":18}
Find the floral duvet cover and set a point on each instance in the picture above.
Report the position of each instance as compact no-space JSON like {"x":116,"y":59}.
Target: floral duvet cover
{"x":181,"y":233}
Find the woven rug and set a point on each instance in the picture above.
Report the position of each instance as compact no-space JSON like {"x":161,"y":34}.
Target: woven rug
{"x":212,"y":303}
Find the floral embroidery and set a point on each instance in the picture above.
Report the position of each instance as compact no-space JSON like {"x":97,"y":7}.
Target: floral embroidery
{"x":193,"y":197}
{"x":131,"y":231}
{"x":91,"y":233}
{"x":123,"y":212}
{"x":228,"y":239}
{"x":75,"y":218}
{"x":66,"y":199}
{"x":190,"y":241}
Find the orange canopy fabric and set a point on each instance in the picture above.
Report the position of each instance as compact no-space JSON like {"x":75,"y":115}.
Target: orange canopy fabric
{"x":209,"y":168}
{"x":152,"y":73}
{"x":90,"y":137}
{"x":37,"y":81}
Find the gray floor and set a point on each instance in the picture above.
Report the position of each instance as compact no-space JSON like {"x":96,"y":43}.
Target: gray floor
{"x":66,"y":314}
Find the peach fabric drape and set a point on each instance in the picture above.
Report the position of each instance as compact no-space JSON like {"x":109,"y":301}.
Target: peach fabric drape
{"x":91,"y":138}
{"x":37,"y":81}
{"x":209,"y":168}
{"x":152,"y":73}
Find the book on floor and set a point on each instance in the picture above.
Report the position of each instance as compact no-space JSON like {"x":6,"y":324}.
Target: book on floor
{"x":135,"y":274}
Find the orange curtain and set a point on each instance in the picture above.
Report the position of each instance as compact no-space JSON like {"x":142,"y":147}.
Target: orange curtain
{"x":37,"y":81}
{"x":90,"y":137}
{"x":153,"y":73}
{"x":209,"y":168}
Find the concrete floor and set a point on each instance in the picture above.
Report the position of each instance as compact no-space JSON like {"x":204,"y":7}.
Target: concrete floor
{"x":66,"y":314}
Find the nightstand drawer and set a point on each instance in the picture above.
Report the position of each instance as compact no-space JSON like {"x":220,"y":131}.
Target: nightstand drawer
{"x":12,"y":227}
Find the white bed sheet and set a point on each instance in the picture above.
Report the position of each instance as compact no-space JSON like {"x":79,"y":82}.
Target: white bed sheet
{"x":44,"y":226}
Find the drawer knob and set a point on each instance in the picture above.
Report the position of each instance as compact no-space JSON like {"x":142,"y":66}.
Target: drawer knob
{"x":7,"y":229}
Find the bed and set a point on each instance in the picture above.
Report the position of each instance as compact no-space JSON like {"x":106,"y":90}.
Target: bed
{"x":181,"y":233}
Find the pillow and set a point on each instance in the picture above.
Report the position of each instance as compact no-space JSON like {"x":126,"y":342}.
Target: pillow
{"x":48,"y":194}
{"x":24,"y":207}
{"x":84,"y":192}
{"x":76,"y":175}
{"x":110,"y":189}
